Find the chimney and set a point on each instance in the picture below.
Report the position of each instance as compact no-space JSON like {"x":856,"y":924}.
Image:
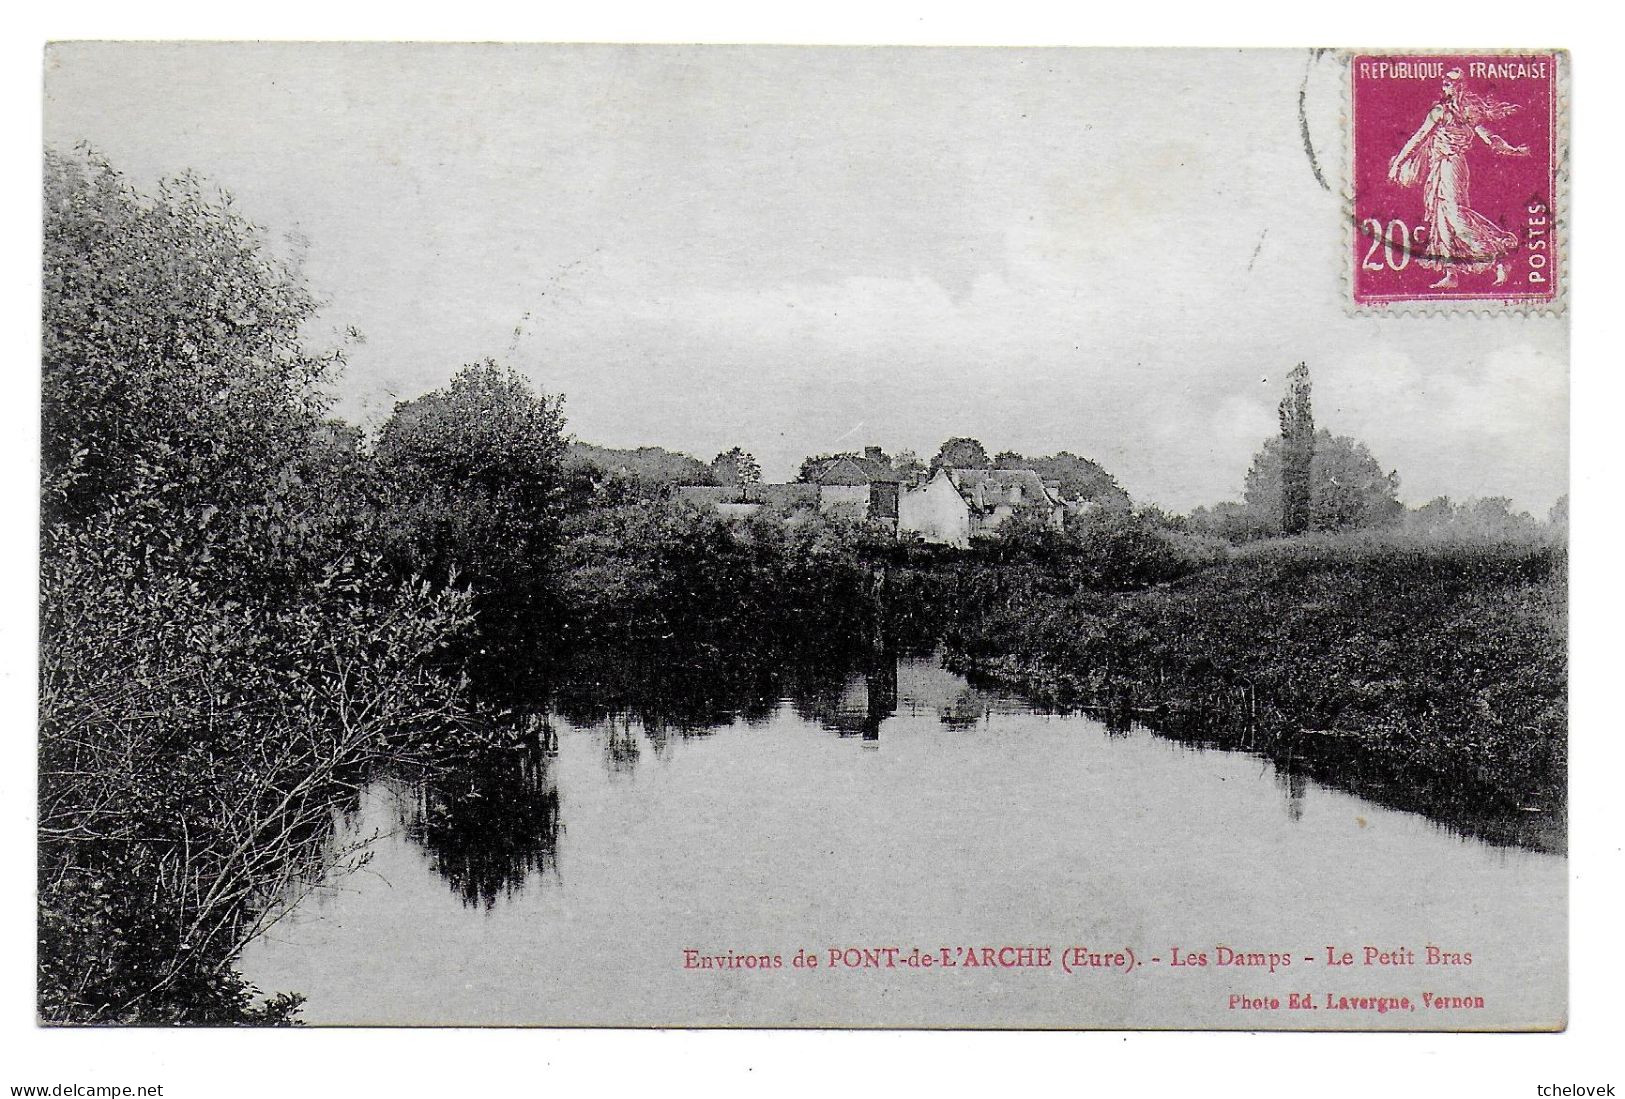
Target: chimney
{"x":874,"y":454}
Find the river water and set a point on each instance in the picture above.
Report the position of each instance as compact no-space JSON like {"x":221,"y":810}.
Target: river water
{"x":591,"y":882}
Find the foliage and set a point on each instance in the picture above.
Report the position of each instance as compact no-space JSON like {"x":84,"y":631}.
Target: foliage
{"x":651,"y":469}
{"x":813,"y":464}
{"x":1434,"y":662}
{"x":173,"y":378}
{"x":1232,"y":522}
{"x":1295,"y":484}
{"x":1079,"y":478}
{"x":192,"y":751}
{"x":1026,"y":533}
{"x":218,"y":655}
{"x":236,"y":629}
{"x":1489,"y":516}
{"x":1558,"y":515}
{"x":910,"y":466}
{"x":475,"y":488}
{"x":651,"y":577}
{"x":961,"y":453}
{"x":1103,"y":549}
{"x":1347,"y":488}
{"x":735,"y":467}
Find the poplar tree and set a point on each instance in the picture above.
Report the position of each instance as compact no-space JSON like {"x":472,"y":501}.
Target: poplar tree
{"x":1297,"y":452}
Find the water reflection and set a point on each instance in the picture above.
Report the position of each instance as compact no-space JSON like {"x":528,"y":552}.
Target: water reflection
{"x":621,"y":750}
{"x":851,"y":704}
{"x":852,"y":695}
{"x":1294,"y":783}
{"x":681,"y":694}
{"x":487,"y":824}
{"x":996,"y":819}
{"x":927,"y":687}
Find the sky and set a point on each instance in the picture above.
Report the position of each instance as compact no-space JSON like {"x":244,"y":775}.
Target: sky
{"x":804,"y":250}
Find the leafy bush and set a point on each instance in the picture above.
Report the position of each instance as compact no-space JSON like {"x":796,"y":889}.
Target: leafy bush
{"x":174,"y":381}
{"x":192,"y":752}
{"x":218,"y":658}
{"x":654,"y":576}
{"x":474,"y":491}
{"x":1108,"y":548}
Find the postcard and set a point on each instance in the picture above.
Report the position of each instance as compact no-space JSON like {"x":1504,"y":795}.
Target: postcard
{"x":702,"y":536}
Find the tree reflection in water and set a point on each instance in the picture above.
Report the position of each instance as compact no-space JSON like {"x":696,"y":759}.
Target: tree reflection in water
{"x":488,"y":823}
{"x":1294,"y":784}
{"x":621,"y":751}
{"x":848,"y":701}
{"x":644,"y":705}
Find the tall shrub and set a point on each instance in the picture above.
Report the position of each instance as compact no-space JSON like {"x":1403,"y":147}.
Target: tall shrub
{"x":475,"y":488}
{"x":219,"y":657}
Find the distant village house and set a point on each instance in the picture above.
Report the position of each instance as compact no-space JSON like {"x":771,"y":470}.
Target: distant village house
{"x":850,"y":487}
{"x":955,"y":505}
{"x":950,"y":507}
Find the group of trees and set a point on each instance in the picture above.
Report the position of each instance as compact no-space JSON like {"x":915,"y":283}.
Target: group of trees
{"x":1079,"y":478}
{"x":658,"y":583}
{"x":247,"y":604}
{"x":1305,"y":478}
{"x":1341,"y":486}
{"x":1302,"y":479}
{"x":650,"y":467}
{"x":471,"y":489}
{"x":1308,"y":479}
{"x":735,"y":467}
{"x":1481,"y":516}
{"x":653,"y":470}
{"x":222,"y":648}
{"x":813,"y":465}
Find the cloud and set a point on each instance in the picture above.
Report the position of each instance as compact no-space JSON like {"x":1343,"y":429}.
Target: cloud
{"x":1118,"y":253}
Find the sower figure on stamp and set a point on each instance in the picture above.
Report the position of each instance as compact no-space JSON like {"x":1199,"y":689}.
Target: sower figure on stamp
{"x":1459,"y":238}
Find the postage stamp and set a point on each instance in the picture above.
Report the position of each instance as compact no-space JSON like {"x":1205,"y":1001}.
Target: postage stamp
{"x":1455,"y":178}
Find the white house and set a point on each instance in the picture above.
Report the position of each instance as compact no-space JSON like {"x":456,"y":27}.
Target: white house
{"x":936,"y":511}
{"x":956,"y":505}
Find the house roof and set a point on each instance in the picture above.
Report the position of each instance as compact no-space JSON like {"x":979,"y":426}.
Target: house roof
{"x":851,"y":470}
{"x":988,"y":488}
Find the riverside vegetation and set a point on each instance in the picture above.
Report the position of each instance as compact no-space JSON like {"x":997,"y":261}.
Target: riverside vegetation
{"x":248,"y":606}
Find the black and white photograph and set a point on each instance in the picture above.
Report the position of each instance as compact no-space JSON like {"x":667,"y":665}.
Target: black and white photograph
{"x":788,"y":537}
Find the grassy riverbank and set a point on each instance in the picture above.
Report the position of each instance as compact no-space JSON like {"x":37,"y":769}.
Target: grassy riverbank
{"x":1426,"y":670}
{"x":1429,"y":670}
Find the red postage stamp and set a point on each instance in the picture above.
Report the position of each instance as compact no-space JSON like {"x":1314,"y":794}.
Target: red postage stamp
{"x":1454,"y":172}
